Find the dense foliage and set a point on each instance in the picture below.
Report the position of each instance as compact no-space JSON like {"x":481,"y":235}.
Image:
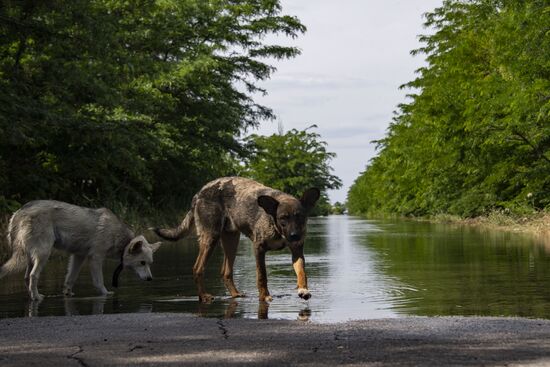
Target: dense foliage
{"x":476,"y":134}
{"x":134,"y":101}
{"x":338,"y":208}
{"x":293,"y":162}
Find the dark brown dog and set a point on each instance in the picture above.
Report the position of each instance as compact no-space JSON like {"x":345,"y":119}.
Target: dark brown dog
{"x":228,"y":206}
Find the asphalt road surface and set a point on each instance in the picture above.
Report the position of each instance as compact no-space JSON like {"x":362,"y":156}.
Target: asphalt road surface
{"x":178,"y":340}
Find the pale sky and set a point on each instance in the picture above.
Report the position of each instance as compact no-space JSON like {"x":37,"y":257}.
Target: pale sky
{"x":355,"y":55}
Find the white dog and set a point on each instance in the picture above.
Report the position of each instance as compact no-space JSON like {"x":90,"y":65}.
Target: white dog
{"x":85,"y":233}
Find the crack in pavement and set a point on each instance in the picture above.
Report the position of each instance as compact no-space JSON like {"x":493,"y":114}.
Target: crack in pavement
{"x":79,"y":360}
{"x":136,"y":347}
{"x":223,"y":329}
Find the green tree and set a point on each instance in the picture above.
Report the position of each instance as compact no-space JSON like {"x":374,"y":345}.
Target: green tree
{"x":293,"y":162}
{"x":338,"y":208}
{"x":131,"y":101}
{"x":476,"y":134}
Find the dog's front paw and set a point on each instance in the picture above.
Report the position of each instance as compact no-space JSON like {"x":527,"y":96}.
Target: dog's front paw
{"x":206,"y":298}
{"x":304,"y":293}
{"x":267,"y":298}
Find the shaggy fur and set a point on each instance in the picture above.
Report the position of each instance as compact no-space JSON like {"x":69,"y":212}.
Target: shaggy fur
{"x":84,"y":233}
{"x":228,"y":206}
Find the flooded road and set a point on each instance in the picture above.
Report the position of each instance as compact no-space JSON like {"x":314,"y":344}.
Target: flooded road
{"x":357,"y":269}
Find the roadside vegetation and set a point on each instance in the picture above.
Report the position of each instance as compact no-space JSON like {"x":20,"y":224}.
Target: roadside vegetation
{"x":136,"y":105}
{"x":293,"y":162}
{"x":473,"y":139}
{"x":338,"y":208}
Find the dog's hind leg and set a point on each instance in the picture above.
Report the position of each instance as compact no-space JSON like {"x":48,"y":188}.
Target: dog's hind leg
{"x":28,"y":271}
{"x":207,"y":243}
{"x":230,"y":242}
{"x":39,"y":260}
{"x":39,"y":243}
{"x":75,"y":264}
{"x":209,"y":225}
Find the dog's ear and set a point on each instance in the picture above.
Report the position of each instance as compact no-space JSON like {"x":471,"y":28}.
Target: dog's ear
{"x":310,"y":197}
{"x":155,"y":246}
{"x":136,"y":247}
{"x":269,"y":204}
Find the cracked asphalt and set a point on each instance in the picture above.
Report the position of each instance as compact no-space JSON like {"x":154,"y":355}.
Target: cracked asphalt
{"x":149,"y":339}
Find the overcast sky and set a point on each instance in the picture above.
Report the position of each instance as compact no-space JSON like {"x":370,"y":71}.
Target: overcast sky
{"x":355,"y":55}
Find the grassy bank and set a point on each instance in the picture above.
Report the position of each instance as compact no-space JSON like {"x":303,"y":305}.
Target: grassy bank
{"x":537,"y":223}
{"x":528,"y":222}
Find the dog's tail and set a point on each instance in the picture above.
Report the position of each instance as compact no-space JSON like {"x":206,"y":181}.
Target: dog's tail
{"x":174,"y":234}
{"x":16,"y":261}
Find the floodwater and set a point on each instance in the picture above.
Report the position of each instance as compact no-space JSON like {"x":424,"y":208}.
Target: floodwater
{"x":357,"y":269}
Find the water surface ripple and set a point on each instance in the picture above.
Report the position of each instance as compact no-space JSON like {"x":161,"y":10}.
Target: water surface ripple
{"x":357,"y":269}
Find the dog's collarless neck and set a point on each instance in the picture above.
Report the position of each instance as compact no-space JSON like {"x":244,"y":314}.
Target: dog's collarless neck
{"x":119,"y":254}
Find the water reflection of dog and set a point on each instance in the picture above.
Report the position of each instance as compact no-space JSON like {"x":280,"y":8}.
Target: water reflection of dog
{"x":72,"y":309}
{"x":263,"y":312}
{"x":205,"y":310}
{"x":70,"y":306}
{"x":304,"y":314}
{"x":74,"y":306}
{"x":32,"y":307}
{"x":231,"y":308}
